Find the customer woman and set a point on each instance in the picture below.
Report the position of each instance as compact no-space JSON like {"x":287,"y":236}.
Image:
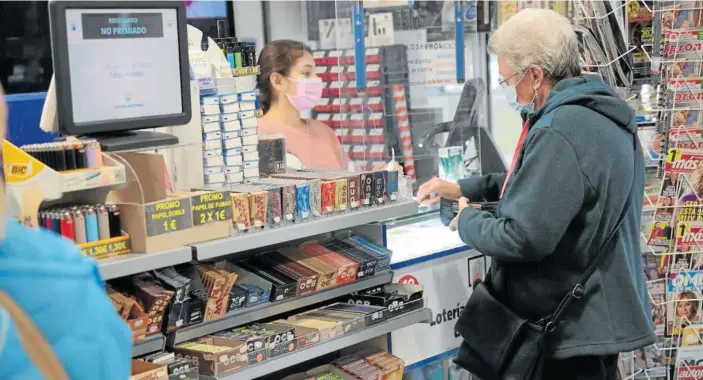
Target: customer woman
{"x":573,"y":168}
{"x":56,"y":321}
{"x":288,"y":85}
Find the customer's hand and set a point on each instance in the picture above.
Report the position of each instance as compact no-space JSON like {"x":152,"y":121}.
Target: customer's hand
{"x":431,"y":191}
{"x":463,"y":203}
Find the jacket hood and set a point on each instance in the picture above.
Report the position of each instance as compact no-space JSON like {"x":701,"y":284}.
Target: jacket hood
{"x":589,"y":91}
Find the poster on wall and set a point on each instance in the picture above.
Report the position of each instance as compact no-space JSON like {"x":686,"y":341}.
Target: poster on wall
{"x":446,"y":288}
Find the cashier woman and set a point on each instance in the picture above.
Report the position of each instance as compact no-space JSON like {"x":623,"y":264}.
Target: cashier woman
{"x":289,"y":85}
{"x":56,"y":321}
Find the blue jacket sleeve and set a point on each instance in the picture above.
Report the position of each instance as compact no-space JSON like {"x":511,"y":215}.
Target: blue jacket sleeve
{"x":484,"y":188}
{"x":541,"y":200}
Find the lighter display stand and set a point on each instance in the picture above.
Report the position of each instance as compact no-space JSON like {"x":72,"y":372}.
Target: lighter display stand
{"x":30,"y":184}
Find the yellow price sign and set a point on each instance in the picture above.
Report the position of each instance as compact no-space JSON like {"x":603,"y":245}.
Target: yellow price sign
{"x":168,"y":216}
{"x":211,"y":207}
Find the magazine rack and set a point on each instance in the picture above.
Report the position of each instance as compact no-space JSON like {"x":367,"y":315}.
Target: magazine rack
{"x":672,"y":220}
{"x":30,"y":184}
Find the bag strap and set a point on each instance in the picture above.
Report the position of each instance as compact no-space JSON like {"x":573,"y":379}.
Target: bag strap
{"x":35,"y":345}
{"x":579,"y":289}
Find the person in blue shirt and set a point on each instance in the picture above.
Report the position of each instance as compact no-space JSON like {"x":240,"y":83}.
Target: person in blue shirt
{"x":61,"y":296}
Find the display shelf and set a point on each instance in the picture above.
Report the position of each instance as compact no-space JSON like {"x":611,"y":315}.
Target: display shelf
{"x":299,"y":356}
{"x":248,"y":315}
{"x":132,"y":263}
{"x":248,"y":241}
{"x":150,"y":344}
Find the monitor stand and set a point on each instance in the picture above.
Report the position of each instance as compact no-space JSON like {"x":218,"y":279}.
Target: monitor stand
{"x":134,"y":140}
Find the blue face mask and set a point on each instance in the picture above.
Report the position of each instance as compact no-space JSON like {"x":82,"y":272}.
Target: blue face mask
{"x":511,"y":96}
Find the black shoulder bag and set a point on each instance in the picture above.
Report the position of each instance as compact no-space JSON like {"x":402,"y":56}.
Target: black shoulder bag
{"x":500,"y":345}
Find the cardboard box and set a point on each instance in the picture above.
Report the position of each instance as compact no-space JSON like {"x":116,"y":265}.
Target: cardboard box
{"x":142,"y":370}
{"x":224,"y":355}
{"x":155,"y":221}
{"x":351,"y":322}
{"x":305,"y":336}
{"x":371,"y":315}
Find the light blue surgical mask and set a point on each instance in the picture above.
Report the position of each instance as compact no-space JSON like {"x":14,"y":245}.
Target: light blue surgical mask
{"x":511,"y":95}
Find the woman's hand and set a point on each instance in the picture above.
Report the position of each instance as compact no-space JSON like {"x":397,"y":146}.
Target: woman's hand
{"x":431,"y":191}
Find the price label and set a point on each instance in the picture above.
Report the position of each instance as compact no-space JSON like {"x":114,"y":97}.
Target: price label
{"x":168,"y":216}
{"x":106,"y":248}
{"x":211,"y":207}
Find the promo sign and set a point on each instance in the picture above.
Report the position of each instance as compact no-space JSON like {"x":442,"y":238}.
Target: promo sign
{"x":446,"y":289}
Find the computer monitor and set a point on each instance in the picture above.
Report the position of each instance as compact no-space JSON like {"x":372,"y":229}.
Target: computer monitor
{"x":120,"y":65}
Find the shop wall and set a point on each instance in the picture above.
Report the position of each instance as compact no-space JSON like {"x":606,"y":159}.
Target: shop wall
{"x":249,"y":21}
{"x":286,"y":20}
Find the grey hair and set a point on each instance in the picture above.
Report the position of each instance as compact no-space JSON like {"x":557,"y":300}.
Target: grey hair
{"x":539,"y":37}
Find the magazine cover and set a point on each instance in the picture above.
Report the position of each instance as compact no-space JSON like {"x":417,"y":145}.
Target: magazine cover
{"x":685,"y":14}
{"x":684,"y":120}
{"x":649,"y":363}
{"x":689,"y":363}
{"x":692,"y":335}
{"x":685,"y":94}
{"x":683,"y":296}
{"x":639,"y":20}
{"x":686,"y":138}
{"x":651,"y":141}
{"x":680,"y":195}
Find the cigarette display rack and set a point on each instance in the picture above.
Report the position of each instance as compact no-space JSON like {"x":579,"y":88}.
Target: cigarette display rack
{"x":31,"y":184}
{"x":365,"y":121}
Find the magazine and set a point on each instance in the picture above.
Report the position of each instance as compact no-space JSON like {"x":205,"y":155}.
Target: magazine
{"x":679,"y":196}
{"x":639,"y":20}
{"x":682,"y":15}
{"x":689,"y":363}
{"x":649,"y":363}
{"x":683,"y":296}
{"x":692,"y":335}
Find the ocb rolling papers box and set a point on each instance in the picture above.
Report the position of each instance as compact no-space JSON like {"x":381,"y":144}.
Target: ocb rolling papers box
{"x":367,"y":263}
{"x":307,"y":278}
{"x":346,"y":268}
{"x":327,"y":273}
{"x":366,"y":192}
{"x":284,"y":286}
{"x":380,"y":191}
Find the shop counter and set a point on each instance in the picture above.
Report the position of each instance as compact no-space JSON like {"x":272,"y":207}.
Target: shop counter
{"x":427,"y":253}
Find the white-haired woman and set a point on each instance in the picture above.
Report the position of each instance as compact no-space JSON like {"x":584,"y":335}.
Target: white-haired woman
{"x":573,"y":170}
